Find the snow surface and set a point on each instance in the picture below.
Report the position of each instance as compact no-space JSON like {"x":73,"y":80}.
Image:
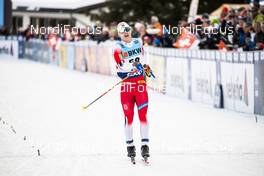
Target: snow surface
{"x":43,"y":104}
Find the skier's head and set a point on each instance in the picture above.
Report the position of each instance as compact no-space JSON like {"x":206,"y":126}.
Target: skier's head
{"x":124,"y":31}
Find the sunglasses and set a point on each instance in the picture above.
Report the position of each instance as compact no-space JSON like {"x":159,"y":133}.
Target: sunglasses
{"x":125,"y":29}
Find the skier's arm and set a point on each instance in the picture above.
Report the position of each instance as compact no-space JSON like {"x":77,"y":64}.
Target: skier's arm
{"x":118,"y":56}
{"x":122,"y":73}
{"x":146,"y":67}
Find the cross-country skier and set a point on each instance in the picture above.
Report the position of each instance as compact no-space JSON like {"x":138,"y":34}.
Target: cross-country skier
{"x":129,"y":56}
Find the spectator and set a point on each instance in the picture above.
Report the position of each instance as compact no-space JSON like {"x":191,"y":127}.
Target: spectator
{"x":155,"y":30}
{"x":241,"y":28}
{"x":113,"y":31}
{"x":257,"y":15}
{"x":140,"y":31}
{"x":259,"y":37}
{"x":4,"y":32}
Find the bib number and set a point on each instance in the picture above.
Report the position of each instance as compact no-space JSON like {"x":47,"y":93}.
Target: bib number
{"x":137,"y":59}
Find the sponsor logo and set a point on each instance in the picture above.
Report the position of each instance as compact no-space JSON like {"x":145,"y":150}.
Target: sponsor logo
{"x":125,"y":107}
{"x":234,"y":91}
{"x":204,"y":84}
{"x":238,"y":90}
{"x":245,"y":88}
{"x":177,"y":81}
{"x":137,"y":73}
{"x":125,"y":54}
{"x":136,"y":42}
{"x":132,"y":52}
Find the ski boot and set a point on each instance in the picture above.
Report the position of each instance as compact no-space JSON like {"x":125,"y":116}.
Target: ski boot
{"x":145,"y":153}
{"x":131,"y":152}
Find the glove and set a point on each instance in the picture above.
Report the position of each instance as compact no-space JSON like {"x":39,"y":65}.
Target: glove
{"x":147,"y":70}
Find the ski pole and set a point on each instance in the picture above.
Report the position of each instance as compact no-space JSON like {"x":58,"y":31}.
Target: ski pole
{"x":86,"y":106}
{"x":152,"y":74}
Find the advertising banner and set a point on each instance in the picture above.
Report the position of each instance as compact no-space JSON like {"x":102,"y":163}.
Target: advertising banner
{"x":45,"y":53}
{"x":35,"y":50}
{"x":63,"y":56}
{"x":157,"y":64}
{"x":26,"y":50}
{"x":238,"y":86}
{"x":259,"y":89}
{"x":21,"y":47}
{"x":203,"y":80}
{"x":259,"y":82}
{"x":54,"y":56}
{"x":230,"y":79}
{"x":9,"y":48}
{"x":79,"y":56}
{"x":104,"y":65}
{"x":177,"y":77}
{"x":111,"y":61}
{"x":70,"y":56}
{"x":40,"y":52}
{"x":92,"y":65}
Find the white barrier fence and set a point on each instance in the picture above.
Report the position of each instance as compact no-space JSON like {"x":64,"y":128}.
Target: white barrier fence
{"x":234,"y":80}
{"x":197,"y":74}
{"x":9,"y":48}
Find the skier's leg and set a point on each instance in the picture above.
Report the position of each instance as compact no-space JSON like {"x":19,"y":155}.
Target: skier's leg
{"x":127,"y":100}
{"x":142,"y":104}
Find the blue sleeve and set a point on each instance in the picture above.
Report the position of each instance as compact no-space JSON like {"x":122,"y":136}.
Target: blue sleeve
{"x":122,"y":75}
{"x":139,"y":66}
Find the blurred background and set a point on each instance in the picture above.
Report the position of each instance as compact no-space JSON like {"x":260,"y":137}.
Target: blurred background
{"x":147,"y":17}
